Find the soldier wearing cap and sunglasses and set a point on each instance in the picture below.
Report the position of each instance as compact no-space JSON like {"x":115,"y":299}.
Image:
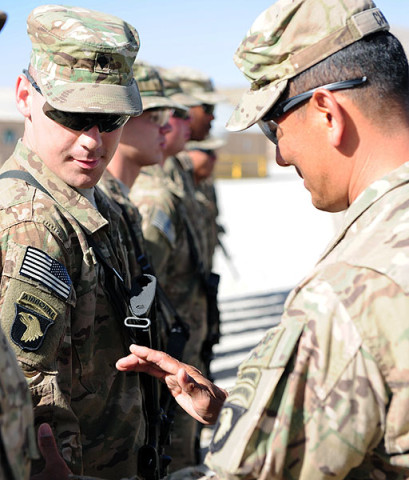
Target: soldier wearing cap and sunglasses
{"x":66,"y":274}
{"x":324,"y":394}
{"x":141,"y":145}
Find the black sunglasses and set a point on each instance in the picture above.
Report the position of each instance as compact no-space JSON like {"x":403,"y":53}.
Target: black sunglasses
{"x":292,"y":102}
{"x":106,"y":122}
{"x":183,"y":114}
{"x":268,"y":125}
{"x":208,"y":109}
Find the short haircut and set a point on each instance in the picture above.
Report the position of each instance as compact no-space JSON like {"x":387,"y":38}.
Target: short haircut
{"x":381,"y":58}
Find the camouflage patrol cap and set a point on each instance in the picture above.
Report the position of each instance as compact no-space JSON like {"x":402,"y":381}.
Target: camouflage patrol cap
{"x":174,"y":91}
{"x":150,"y":84}
{"x":197,"y":85}
{"x":3,"y":18}
{"x":82,"y":60}
{"x":288,"y":38}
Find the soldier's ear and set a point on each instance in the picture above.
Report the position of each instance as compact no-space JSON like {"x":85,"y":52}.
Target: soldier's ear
{"x":331,"y":115}
{"x":23,"y":96}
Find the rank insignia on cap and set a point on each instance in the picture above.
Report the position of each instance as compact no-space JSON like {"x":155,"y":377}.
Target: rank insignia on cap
{"x":29,"y":328}
{"x":39,"y":266}
{"x":227,"y":420}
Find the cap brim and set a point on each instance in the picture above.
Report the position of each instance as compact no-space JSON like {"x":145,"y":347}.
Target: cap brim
{"x":160,"y":102}
{"x":209,"y":98}
{"x":3,"y":18}
{"x":91,"y":97}
{"x":254,"y":104}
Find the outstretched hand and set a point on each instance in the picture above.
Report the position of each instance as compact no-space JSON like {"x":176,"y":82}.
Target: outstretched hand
{"x":197,"y":395}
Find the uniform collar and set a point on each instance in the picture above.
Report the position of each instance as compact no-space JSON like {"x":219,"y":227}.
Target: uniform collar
{"x":366,"y":199}
{"x":67,"y":197}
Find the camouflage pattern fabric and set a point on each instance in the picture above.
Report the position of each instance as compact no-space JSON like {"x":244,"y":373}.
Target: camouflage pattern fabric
{"x":161,"y":204}
{"x":195,"y":83}
{"x":117,"y":191}
{"x":324,"y":395}
{"x":180,"y":169}
{"x":174,"y":90}
{"x":83,"y":59}
{"x":273,"y":50}
{"x":151,"y":87}
{"x":207,"y":199}
{"x":61,"y":322}
{"x":159,"y":201}
{"x":17,"y":440}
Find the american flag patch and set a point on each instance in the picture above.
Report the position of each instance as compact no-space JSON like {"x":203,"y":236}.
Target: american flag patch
{"x":41,"y":267}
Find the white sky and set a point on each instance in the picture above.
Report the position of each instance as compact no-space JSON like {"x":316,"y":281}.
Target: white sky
{"x":202,"y":34}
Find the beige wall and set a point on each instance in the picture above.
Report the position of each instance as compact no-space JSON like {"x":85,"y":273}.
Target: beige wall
{"x":244,"y":155}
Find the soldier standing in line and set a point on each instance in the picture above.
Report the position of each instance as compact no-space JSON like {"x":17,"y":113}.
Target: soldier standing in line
{"x":324,"y":394}
{"x":179,"y":169}
{"x":65,"y":268}
{"x":141,"y":145}
{"x":203,"y":156}
{"x":169,"y":242}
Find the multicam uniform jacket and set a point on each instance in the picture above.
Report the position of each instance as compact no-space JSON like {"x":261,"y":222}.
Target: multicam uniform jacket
{"x":113,"y":189}
{"x":58,"y":317}
{"x":159,"y":201}
{"x":180,"y":169}
{"x":325,"y":394}
{"x":206,"y":197}
{"x":161,"y":204}
{"x":17,"y":437}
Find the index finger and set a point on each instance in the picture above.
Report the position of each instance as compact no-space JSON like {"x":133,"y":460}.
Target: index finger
{"x":148,"y":360}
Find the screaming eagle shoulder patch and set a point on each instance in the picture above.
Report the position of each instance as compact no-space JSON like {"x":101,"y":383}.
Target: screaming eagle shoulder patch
{"x":29,"y":328}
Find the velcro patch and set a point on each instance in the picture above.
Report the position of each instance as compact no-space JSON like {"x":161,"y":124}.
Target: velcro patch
{"x":32,"y":301}
{"x":162,"y":221}
{"x":29,"y":328}
{"x":39,"y":266}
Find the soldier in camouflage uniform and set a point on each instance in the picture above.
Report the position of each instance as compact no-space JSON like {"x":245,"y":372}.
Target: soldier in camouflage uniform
{"x":60,"y":239}
{"x":324,"y":394}
{"x":172,"y":242}
{"x":141,"y":145}
{"x":199,"y":86}
{"x":179,"y":167}
{"x":203,"y":156}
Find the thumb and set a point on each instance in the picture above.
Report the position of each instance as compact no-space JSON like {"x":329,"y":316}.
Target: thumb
{"x":46,"y":441}
{"x":186,"y":382}
{"x":55,"y":466}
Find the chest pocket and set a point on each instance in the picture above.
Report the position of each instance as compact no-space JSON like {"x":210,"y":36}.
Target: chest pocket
{"x":244,"y":408}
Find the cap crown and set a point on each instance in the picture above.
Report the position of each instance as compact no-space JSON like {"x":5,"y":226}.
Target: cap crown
{"x":148,"y":79}
{"x":293,"y":35}
{"x":151,"y":87}
{"x":73,"y":47}
{"x":290,"y":37}
{"x":196,"y":84}
{"x":171,"y":84}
